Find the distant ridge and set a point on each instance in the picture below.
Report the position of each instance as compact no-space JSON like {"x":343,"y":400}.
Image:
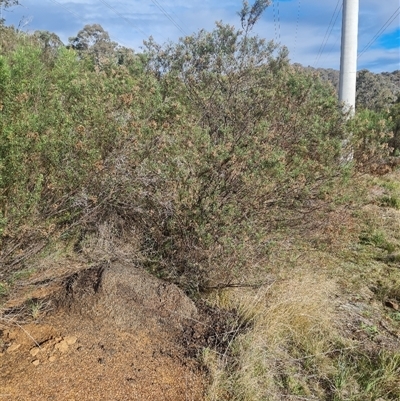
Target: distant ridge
{"x":374,"y":91}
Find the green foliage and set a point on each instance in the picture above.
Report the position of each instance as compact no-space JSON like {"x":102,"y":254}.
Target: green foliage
{"x":3,"y":289}
{"x":94,"y":42}
{"x":50,"y":44}
{"x":373,"y":92}
{"x":202,"y":153}
{"x":391,"y":201}
{"x":378,"y":239}
{"x":368,"y":377}
{"x":371,"y":137}
{"x":57,"y":121}
{"x":267,"y":151}
{"x":394,"y":114}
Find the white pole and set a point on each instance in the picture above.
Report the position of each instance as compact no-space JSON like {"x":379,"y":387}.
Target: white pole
{"x":348,"y":56}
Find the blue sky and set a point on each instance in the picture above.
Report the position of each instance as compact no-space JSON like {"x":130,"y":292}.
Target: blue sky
{"x":301,"y":25}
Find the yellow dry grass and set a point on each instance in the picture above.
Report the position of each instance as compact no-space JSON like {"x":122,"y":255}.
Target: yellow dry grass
{"x":291,"y":323}
{"x":299,"y":345}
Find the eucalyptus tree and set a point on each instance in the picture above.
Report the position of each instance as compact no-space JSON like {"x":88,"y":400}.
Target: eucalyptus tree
{"x":95,"y":42}
{"x":6,"y":4}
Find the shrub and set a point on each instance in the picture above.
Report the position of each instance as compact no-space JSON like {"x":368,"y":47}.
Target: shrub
{"x":58,"y":121}
{"x":240,"y":143}
{"x":371,"y":137}
{"x":198,"y":159}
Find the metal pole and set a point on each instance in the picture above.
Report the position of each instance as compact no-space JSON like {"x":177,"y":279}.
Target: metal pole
{"x":348,"y":56}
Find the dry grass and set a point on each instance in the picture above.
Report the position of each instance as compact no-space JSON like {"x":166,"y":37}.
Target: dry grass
{"x":291,"y":332}
{"x":321,"y":331}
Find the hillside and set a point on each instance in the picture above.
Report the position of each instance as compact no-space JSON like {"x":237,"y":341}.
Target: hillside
{"x":374,"y":91}
{"x":194,"y":222}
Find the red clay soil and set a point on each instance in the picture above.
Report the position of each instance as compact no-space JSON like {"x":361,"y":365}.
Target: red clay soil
{"x":115,"y":334}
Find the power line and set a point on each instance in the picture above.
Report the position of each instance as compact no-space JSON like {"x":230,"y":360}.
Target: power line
{"x":334,"y":45}
{"x":279,"y":21}
{"x":379,"y":33}
{"x":77,"y":15}
{"x":274,"y":14}
{"x":328,"y":32}
{"x":66,"y":9}
{"x":123,"y":17}
{"x":337,"y":39}
{"x":297,"y":25}
{"x":160,"y":7}
{"x":172,"y":12}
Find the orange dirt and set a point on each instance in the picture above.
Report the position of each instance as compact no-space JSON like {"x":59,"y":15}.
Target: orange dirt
{"x":116,"y":334}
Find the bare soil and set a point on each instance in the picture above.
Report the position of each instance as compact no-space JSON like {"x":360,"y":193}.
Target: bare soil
{"x":115,"y":333}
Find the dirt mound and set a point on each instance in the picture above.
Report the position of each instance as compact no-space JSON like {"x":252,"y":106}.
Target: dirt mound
{"x":129,"y":298}
{"x":115,"y":334}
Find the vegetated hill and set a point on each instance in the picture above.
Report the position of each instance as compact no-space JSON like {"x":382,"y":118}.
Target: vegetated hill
{"x":374,"y":91}
{"x":218,"y":167}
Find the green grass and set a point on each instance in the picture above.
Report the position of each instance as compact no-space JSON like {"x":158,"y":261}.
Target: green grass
{"x":3,"y":289}
{"x":390,"y":201}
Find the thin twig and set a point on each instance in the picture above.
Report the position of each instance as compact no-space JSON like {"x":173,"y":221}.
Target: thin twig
{"x":238,"y":285}
{"x":27,"y":333}
{"x":319,"y":354}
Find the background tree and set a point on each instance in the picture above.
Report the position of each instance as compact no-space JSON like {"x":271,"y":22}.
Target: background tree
{"x":49,"y":40}
{"x":7,"y":4}
{"x":250,"y":15}
{"x":50,"y":43}
{"x":376,"y":92}
{"x":373,"y":91}
{"x":135,"y":63}
{"x":95,"y":42}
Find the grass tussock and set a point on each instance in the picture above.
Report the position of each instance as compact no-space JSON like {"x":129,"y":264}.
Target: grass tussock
{"x":303,"y":342}
{"x":294,"y":350}
{"x":291,"y":331}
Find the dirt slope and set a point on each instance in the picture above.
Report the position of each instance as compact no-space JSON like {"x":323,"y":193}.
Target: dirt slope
{"x":114,"y":334}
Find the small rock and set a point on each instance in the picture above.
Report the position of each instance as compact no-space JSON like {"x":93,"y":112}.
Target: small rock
{"x":35,"y":362}
{"x":34,"y":351}
{"x":13,"y":347}
{"x":62,"y":346}
{"x":366,"y":293}
{"x":392,"y":304}
{"x":70,"y":340}
{"x":52,"y":358}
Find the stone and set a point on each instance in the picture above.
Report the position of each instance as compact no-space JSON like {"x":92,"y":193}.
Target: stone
{"x":52,"y":358}
{"x":13,"y":347}
{"x":35,"y":362}
{"x":62,"y":346}
{"x":392,"y":304}
{"x":34,"y":351}
{"x":70,"y":340}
